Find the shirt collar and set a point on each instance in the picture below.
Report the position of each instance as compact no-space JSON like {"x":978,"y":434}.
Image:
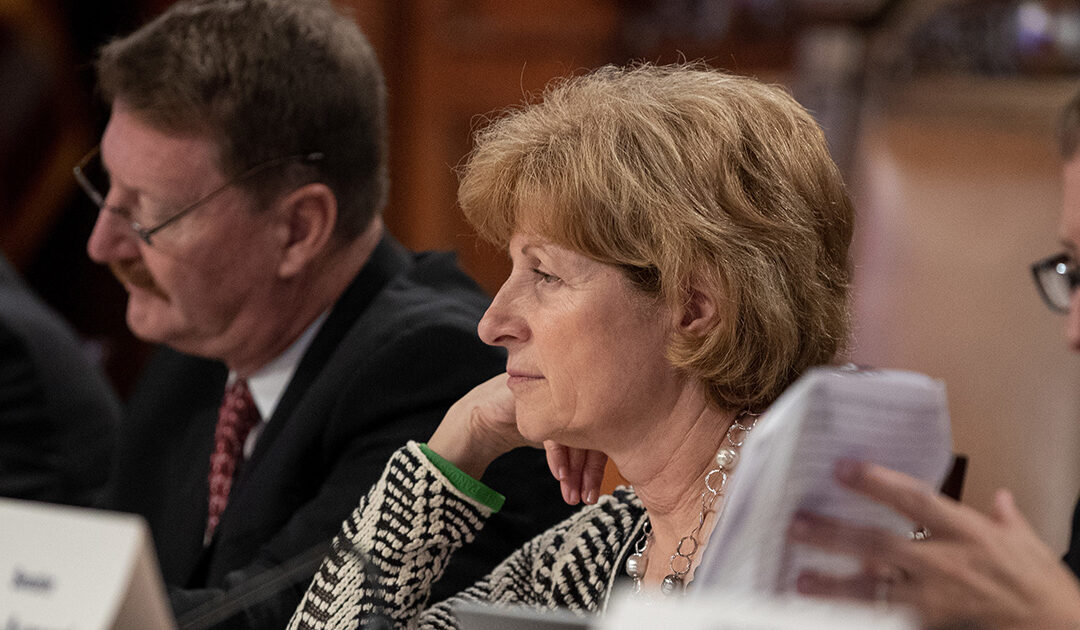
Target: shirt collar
{"x":268,"y":383}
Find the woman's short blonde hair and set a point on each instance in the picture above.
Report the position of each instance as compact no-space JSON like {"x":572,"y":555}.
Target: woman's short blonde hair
{"x":690,"y":180}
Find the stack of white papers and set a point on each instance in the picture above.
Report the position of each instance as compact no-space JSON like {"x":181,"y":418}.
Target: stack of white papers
{"x":894,"y":418}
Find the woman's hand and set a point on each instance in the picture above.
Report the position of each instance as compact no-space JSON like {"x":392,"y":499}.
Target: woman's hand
{"x":479,"y":427}
{"x":974,"y":570}
{"x":482,"y":425}
{"x":580,"y":472}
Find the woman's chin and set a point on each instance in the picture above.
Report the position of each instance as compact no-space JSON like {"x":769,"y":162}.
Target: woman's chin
{"x":536,"y":427}
{"x":539,"y":431}
{"x":533,"y":433}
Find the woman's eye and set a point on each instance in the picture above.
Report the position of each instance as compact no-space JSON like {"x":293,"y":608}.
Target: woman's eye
{"x":545,"y":278}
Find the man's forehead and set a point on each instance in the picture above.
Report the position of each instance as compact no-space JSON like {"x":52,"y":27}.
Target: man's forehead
{"x":133,"y":147}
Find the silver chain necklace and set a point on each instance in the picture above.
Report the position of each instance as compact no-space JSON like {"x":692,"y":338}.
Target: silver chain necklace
{"x":683,"y":559}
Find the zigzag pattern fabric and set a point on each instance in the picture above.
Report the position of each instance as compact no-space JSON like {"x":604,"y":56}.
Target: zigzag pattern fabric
{"x":396,"y":544}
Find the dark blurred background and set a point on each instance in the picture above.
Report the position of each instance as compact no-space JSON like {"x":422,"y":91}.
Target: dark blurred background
{"x":940,"y":112}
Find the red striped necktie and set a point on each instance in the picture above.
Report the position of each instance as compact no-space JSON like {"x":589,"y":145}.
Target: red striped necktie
{"x":236,"y":417}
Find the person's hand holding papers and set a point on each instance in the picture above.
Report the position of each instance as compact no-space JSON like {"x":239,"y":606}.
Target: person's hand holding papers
{"x":974,"y":570}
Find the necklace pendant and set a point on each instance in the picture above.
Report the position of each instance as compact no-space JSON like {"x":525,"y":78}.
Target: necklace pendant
{"x":726,"y":458}
{"x":671,"y":584}
{"x":636,"y":565}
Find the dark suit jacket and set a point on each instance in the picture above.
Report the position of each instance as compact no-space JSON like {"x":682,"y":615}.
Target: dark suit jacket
{"x":397,"y":349}
{"x":57,"y":413}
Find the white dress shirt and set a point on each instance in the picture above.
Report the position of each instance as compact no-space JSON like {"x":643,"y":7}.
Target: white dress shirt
{"x":268,"y":384}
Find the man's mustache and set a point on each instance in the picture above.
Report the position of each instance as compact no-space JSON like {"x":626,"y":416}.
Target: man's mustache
{"x":135,"y":274}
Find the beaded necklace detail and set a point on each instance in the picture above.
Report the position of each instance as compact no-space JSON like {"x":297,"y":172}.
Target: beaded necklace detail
{"x":682,"y":560}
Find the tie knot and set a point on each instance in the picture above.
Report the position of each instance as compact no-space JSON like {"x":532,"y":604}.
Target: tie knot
{"x":236,"y":417}
{"x":238,"y":410}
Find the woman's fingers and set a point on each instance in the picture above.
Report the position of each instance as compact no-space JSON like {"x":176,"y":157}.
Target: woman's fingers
{"x":835,"y":535}
{"x":579,"y":471}
{"x":571,"y":485}
{"x":861,"y":586}
{"x":593,"y":476}
{"x":561,"y":463}
{"x":1004,"y":511}
{"x":907,"y":496}
{"x":873,"y":546}
{"x":975,"y":569}
{"x":556,"y":459}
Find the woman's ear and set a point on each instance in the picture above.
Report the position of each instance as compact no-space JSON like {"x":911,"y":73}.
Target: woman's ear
{"x":699,"y":313}
{"x":308,"y":216}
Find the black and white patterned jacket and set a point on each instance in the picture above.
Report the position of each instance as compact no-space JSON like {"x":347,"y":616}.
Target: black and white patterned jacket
{"x":398,"y":541}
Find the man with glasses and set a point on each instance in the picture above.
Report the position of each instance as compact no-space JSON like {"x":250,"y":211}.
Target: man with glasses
{"x":973,"y":570}
{"x":240,"y":181}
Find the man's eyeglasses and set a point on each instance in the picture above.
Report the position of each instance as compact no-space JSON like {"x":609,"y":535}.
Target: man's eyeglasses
{"x":1057,"y":277}
{"x":94,"y":180}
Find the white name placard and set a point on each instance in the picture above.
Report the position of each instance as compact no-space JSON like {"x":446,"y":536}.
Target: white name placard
{"x":730,"y":611}
{"x":64,"y":568}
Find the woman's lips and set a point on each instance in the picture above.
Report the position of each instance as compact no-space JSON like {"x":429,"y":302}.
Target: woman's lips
{"x":517,"y":378}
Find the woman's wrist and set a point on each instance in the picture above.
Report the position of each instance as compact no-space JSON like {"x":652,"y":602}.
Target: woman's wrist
{"x":466,"y":484}
{"x":454,"y":442}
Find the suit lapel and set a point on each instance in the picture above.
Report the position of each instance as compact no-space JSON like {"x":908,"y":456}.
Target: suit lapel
{"x":192,"y":437}
{"x":387,"y":261}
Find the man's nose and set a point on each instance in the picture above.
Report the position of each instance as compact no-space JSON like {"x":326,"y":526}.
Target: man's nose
{"x":112,"y":239}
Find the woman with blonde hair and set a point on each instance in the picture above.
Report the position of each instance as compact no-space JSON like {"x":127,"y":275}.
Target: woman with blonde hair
{"x":679,"y":241}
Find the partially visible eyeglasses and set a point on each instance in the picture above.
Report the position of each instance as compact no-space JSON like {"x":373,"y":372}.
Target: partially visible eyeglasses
{"x":1057,"y":277}
{"x":94,"y":180}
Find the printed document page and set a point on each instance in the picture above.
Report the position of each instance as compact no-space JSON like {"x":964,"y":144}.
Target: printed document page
{"x":894,"y":418}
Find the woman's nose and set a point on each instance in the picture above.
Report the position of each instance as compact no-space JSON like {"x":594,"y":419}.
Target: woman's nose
{"x":501,"y":325}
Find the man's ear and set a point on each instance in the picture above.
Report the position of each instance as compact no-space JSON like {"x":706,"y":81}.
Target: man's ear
{"x":308,"y":216}
{"x":699,"y":313}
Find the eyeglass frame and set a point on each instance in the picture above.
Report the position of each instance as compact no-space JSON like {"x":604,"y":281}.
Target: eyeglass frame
{"x":1071,"y":275}
{"x":147,"y":233}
